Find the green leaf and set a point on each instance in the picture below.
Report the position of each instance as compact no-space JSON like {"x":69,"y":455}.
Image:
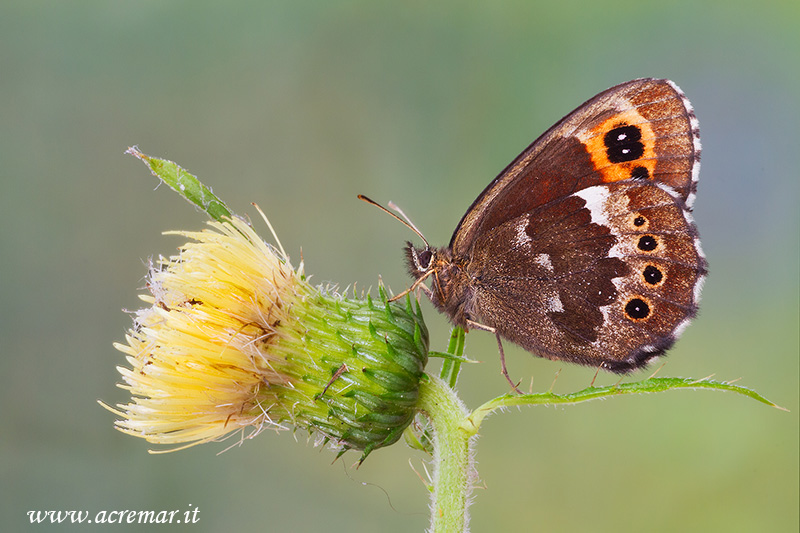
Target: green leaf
{"x":473,"y":421}
{"x":450,"y":356}
{"x":451,"y":366}
{"x":184,"y":184}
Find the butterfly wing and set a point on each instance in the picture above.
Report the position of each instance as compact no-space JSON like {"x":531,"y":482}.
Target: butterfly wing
{"x":643,"y":129}
{"x":583,"y":248}
{"x":608,"y":276}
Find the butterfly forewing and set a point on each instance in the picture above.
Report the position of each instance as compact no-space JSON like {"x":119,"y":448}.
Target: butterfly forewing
{"x":573,"y":155}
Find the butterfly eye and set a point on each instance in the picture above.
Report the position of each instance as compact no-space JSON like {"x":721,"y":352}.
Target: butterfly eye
{"x":424,"y":259}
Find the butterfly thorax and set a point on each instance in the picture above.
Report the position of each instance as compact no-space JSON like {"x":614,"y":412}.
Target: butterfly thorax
{"x":449,"y":291}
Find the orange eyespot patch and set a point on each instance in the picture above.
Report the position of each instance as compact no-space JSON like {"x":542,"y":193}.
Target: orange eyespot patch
{"x":622,"y":147}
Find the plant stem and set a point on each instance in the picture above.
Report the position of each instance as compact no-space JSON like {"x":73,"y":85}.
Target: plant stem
{"x":452,"y":457}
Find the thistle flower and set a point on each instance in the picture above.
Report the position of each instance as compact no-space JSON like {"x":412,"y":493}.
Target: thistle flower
{"x":236,"y":339}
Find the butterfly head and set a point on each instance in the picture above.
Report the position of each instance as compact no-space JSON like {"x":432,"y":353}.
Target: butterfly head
{"x":448,"y":287}
{"x":420,"y":261}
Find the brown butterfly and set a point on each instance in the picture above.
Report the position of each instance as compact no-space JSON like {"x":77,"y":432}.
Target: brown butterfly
{"x":583,"y":249}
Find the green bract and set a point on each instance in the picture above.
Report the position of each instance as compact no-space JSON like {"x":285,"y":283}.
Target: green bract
{"x":355,"y":368}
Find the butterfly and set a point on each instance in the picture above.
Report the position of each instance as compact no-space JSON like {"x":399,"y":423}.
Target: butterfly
{"x":583,"y":249}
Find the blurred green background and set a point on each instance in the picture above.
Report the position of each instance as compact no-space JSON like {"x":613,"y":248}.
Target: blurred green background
{"x":300,"y":106}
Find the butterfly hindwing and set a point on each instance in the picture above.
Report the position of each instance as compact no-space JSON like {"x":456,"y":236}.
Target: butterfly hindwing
{"x":603,"y":277}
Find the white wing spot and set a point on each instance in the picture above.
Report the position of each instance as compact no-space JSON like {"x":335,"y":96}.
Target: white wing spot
{"x":544,"y":260}
{"x":522,"y":238}
{"x":554,"y":304}
{"x":595,"y":198}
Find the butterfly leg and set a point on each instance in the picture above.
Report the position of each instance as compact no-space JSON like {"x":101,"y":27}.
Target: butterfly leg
{"x":514,"y":386}
{"x":416,"y":285}
{"x":504,"y":369}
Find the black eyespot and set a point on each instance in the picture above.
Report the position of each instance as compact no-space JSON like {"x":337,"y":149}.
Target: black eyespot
{"x":640,"y":173}
{"x":637,"y":309}
{"x":652,"y":275}
{"x":647,"y":243}
{"x":623,"y":144}
{"x":622,"y":135}
{"x":639,"y":221}
{"x":424,"y":259}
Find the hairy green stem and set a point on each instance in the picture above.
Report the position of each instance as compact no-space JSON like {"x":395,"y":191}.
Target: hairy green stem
{"x":452,"y":456}
{"x":454,"y":429}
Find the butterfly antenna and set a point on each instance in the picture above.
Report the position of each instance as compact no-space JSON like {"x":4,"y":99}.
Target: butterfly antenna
{"x":405,"y":220}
